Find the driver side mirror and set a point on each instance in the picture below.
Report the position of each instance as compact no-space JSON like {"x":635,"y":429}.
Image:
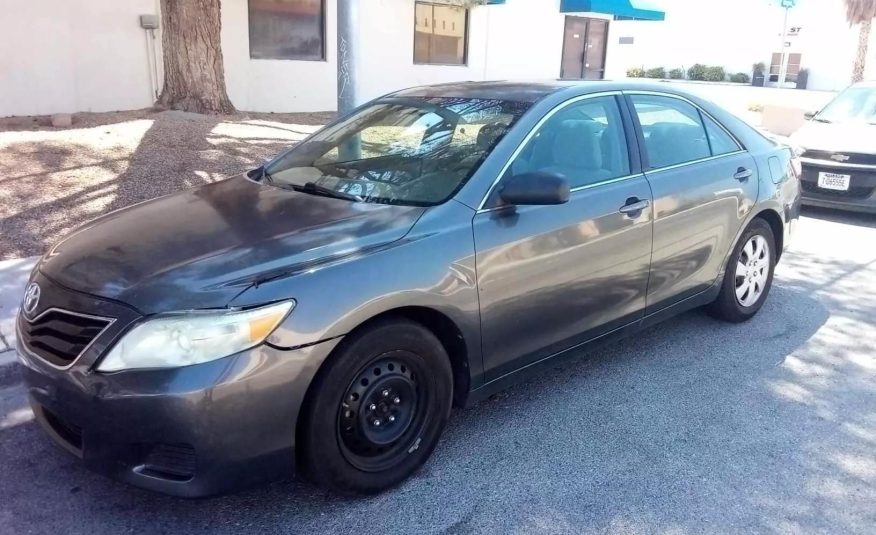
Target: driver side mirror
{"x":535,"y":189}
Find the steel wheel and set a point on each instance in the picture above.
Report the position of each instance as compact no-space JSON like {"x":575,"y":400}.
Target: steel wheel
{"x":752,"y":270}
{"x":381,"y":412}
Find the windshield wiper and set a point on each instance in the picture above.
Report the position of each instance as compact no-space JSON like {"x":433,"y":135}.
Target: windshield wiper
{"x":315,"y":189}
{"x":822,"y":120}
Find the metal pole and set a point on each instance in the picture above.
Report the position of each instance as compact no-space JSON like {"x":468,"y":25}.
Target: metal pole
{"x":783,"y":69}
{"x":348,"y":55}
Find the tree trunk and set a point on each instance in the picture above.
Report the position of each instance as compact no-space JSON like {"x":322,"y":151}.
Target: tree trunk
{"x":863,"y":45}
{"x":194,"y":74}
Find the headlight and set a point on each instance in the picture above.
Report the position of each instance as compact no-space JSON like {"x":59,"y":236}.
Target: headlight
{"x":194,"y":337}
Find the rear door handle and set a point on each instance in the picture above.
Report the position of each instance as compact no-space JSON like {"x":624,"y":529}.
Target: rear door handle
{"x":743,"y":174}
{"x":634,"y":206}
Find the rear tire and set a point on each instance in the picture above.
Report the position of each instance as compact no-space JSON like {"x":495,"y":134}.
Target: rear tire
{"x":376,"y":409}
{"x":748,"y":276}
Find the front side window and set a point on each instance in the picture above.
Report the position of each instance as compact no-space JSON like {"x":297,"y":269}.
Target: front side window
{"x":287,"y":29}
{"x":440,"y":34}
{"x":399,"y":150}
{"x":673,"y":130}
{"x":584,"y":142}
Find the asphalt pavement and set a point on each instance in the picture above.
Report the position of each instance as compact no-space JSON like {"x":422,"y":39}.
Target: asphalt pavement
{"x":694,"y":426}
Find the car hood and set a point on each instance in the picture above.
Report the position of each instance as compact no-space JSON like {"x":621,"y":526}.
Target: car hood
{"x":202,"y":247}
{"x":857,"y":138}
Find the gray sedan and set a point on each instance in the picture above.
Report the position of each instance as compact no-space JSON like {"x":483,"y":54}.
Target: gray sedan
{"x":328,"y":309}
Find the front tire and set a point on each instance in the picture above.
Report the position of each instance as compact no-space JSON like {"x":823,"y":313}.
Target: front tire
{"x":377,"y":408}
{"x":749,"y":275}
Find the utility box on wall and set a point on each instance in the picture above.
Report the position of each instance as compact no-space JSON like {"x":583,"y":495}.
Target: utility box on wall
{"x":149,"y":22}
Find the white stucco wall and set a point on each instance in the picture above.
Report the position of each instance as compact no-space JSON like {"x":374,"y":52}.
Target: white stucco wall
{"x":73,"y":55}
{"x":739,"y":36}
{"x":271,"y":84}
{"x":91,"y":55}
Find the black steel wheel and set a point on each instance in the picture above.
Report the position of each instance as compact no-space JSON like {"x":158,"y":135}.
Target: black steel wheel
{"x":377,"y":407}
{"x":380,"y":411}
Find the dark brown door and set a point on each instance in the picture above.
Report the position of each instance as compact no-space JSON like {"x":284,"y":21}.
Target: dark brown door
{"x":594,"y":55}
{"x":584,"y":44}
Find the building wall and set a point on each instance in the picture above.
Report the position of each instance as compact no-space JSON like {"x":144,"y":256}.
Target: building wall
{"x":747,"y":33}
{"x":73,"y":55}
{"x":91,"y":55}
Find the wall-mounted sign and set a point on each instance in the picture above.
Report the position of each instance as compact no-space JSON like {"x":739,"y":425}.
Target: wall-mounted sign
{"x":626,"y":40}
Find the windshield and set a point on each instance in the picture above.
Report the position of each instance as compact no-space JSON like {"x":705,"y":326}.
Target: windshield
{"x":413,"y":151}
{"x":855,"y":104}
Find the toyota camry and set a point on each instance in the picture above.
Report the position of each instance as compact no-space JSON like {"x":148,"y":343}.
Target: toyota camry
{"x":324,"y":312}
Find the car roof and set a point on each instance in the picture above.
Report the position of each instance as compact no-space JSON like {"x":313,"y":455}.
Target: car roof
{"x":531,"y":91}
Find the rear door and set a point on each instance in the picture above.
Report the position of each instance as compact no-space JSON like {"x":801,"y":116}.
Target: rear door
{"x":550,"y":277}
{"x":704,"y":186}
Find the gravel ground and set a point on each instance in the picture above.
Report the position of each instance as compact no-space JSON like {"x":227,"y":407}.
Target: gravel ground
{"x":695,"y":426}
{"x":52,"y":180}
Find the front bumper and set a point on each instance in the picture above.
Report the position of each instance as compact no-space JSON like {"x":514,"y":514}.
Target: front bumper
{"x":861,"y":196}
{"x":190,"y":431}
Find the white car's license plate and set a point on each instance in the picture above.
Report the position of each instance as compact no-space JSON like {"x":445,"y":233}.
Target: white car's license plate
{"x":833,"y":181}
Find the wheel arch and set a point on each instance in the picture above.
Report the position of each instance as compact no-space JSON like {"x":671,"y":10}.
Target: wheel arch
{"x":443,"y":327}
{"x":774,"y":220}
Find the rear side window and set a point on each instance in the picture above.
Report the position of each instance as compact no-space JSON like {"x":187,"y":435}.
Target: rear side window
{"x":719,"y":140}
{"x":584,"y":142}
{"x":673,"y":130}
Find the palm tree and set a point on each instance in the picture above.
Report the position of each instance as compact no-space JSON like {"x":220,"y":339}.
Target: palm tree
{"x":861,"y":12}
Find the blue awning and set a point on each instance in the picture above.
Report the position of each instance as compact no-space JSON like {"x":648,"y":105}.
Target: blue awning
{"x":621,"y":8}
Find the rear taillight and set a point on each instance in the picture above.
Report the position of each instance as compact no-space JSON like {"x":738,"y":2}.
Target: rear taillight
{"x":796,"y":166}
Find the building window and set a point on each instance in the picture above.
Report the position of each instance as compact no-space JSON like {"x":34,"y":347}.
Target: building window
{"x":440,"y":34}
{"x":287,"y":29}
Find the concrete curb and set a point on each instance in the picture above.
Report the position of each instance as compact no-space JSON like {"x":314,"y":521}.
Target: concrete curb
{"x":13,"y":278}
{"x":10,"y":373}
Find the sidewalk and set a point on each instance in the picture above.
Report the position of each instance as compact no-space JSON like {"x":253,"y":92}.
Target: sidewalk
{"x":13,"y":277}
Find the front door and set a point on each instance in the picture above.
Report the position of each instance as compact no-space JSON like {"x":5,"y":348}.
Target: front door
{"x":551,"y":277}
{"x":584,"y":45}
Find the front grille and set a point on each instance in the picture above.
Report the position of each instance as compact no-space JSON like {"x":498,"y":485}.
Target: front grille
{"x":853,"y":158}
{"x":854,"y":192}
{"x":59,"y":337}
{"x":171,"y":461}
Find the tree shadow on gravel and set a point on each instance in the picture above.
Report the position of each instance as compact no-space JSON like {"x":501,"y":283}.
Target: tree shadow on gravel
{"x":53,"y":185}
{"x":690,"y":424}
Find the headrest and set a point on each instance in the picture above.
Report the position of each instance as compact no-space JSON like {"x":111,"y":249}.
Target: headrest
{"x":577,"y":144}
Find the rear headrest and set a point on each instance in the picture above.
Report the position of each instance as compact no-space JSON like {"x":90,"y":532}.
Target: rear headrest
{"x":577,"y":144}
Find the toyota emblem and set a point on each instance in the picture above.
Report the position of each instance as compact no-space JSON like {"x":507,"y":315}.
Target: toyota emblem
{"x":31,"y":298}
{"x":840,"y":157}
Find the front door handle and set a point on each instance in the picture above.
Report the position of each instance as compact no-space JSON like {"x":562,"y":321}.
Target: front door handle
{"x":634,"y":206}
{"x":743,"y":174}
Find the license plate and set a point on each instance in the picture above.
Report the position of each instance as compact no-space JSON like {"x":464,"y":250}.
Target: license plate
{"x":834,"y":181}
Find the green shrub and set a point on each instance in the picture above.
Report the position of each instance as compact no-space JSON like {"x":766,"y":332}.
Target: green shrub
{"x":676,"y":74}
{"x":715,"y":74}
{"x":740,"y":78}
{"x":635,"y":72}
{"x":656,"y":72}
{"x":697,"y":72}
